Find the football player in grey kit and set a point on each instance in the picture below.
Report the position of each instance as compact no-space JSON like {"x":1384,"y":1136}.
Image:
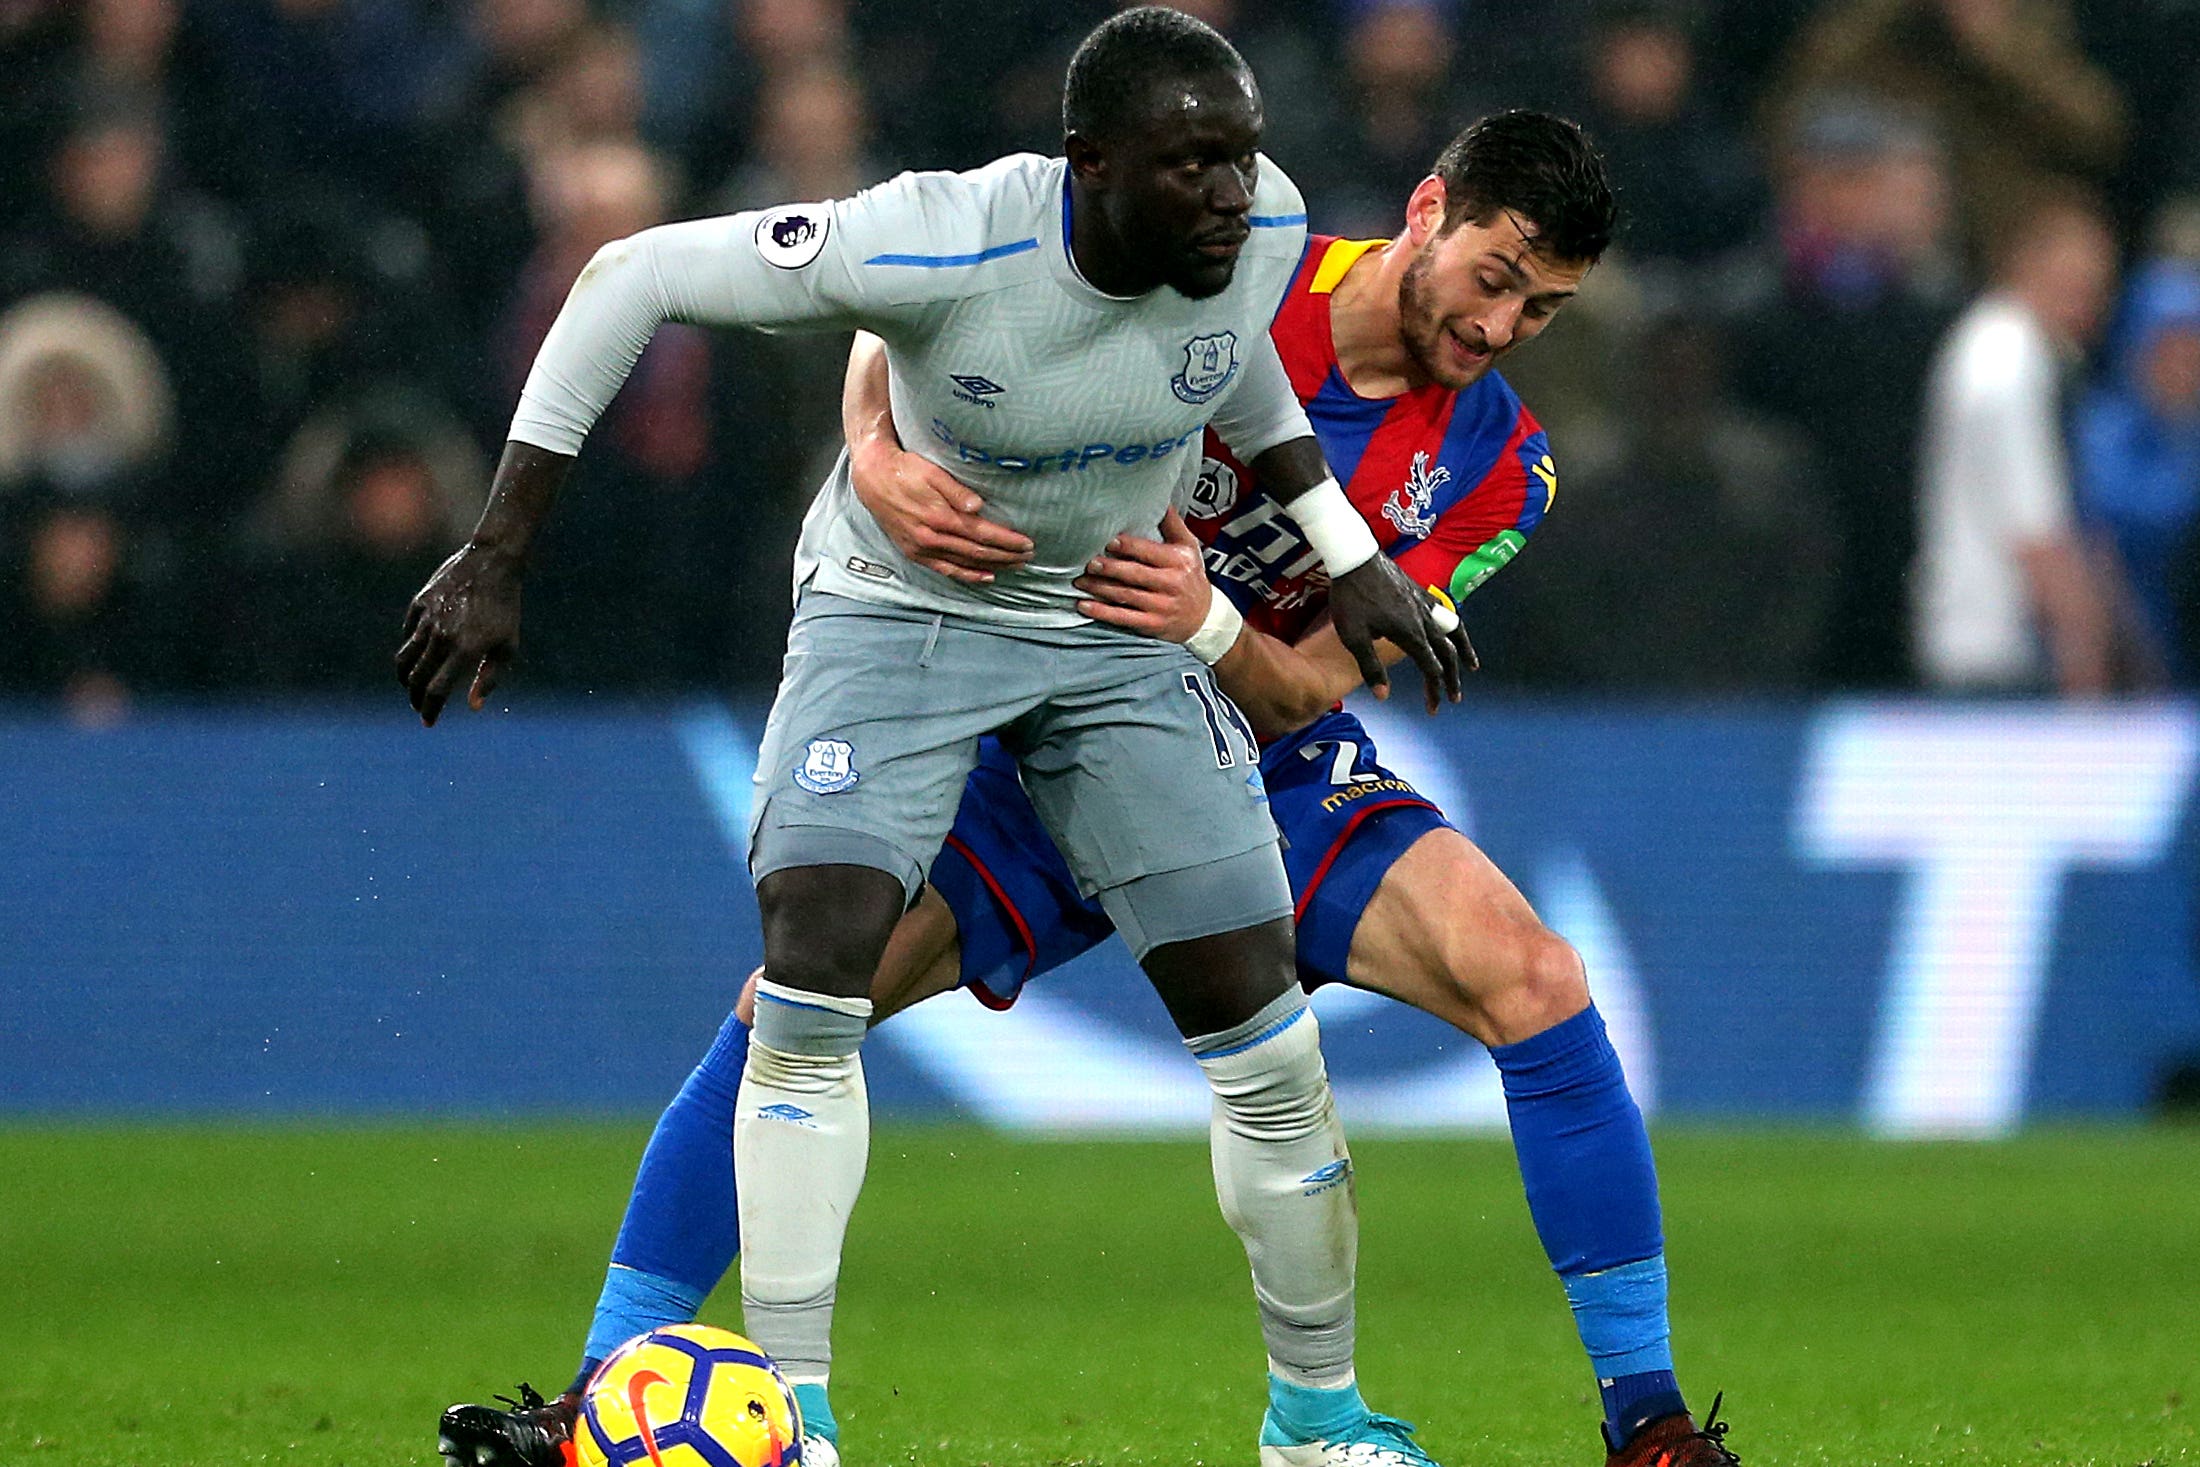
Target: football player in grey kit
{"x":1059,"y":332}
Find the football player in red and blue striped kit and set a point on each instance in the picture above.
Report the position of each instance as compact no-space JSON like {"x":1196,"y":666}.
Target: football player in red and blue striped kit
{"x":1390,"y":345}
{"x":1453,"y":482}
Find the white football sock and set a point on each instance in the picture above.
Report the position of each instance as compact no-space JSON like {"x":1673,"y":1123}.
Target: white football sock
{"x":1284,"y":1179}
{"x":801,"y":1141}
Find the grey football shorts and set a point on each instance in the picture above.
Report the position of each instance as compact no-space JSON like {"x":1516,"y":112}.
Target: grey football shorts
{"x":1147,"y":778}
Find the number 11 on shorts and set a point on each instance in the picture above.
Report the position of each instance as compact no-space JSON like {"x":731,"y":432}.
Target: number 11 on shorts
{"x":1222,"y":715}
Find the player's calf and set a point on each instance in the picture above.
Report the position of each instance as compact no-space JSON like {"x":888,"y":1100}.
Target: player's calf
{"x":1447,"y":932}
{"x":802,"y":1112}
{"x":1285,"y":1182}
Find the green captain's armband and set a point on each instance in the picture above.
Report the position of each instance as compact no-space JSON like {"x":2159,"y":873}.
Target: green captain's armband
{"x":1485,"y":562}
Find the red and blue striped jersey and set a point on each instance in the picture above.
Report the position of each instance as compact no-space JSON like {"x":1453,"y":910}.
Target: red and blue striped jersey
{"x":1453,"y":483}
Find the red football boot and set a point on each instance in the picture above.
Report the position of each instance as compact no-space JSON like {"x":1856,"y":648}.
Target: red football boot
{"x":1676,"y":1441}
{"x":533,"y":1433}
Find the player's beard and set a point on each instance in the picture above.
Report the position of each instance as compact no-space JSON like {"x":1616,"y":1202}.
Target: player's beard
{"x":1421,"y":324}
{"x":1201,"y":279}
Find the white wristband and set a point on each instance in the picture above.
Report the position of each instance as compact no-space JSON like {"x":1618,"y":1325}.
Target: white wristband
{"x":1218,"y":633}
{"x":1334,"y":528}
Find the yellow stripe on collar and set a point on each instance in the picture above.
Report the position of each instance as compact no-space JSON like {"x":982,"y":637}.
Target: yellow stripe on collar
{"x":1337,"y":259}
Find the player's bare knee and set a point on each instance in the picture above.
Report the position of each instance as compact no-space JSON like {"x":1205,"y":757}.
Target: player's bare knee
{"x":838,"y":964}
{"x":825,"y":927}
{"x":1544,"y":984}
{"x":1209,"y":984}
{"x":1554,"y":985}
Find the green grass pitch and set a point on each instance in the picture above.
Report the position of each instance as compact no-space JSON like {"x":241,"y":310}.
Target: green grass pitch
{"x":182,"y":1296}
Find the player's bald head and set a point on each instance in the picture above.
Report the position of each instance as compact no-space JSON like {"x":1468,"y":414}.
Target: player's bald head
{"x":1135,"y":67}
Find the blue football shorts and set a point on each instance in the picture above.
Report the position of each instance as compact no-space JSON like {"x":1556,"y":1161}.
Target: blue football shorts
{"x":1344,"y":818}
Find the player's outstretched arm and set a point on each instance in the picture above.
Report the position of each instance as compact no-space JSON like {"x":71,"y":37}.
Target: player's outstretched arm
{"x":779,"y":267}
{"x":465,"y":621}
{"x":931,"y":516}
{"x":1370,"y":599}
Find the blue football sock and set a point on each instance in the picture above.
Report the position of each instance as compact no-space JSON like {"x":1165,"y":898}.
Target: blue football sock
{"x":1632,"y":1402}
{"x":817,"y":1411}
{"x":681,"y":1229}
{"x":1593,"y":1192}
{"x":1311,"y":1413}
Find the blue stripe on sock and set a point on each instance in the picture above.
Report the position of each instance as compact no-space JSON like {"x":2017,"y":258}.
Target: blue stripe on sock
{"x":1261,"y":1038}
{"x":634,"y":1303}
{"x":1621,"y":1316}
{"x":794,"y":1001}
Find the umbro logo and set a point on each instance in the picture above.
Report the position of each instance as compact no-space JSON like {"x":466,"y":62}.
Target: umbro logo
{"x":793,"y":1115}
{"x":972,"y":388}
{"x":1331,"y":1174}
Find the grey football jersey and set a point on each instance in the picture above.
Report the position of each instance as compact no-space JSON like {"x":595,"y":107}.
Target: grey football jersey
{"x":1075,"y":415}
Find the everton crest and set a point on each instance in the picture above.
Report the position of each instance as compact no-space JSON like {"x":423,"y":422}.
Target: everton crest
{"x":828,"y":767}
{"x":1209,"y":364}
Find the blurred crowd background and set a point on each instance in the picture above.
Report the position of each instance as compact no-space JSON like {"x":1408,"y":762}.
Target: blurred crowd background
{"x":1891,"y":383}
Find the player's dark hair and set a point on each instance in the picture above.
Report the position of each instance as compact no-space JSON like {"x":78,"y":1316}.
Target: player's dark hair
{"x":1116,"y":69}
{"x":1540,"y":167}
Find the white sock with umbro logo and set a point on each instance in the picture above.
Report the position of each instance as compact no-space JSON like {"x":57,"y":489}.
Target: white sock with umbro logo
{"x":1284,"y":1179}
{"x":802,"y":1130}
